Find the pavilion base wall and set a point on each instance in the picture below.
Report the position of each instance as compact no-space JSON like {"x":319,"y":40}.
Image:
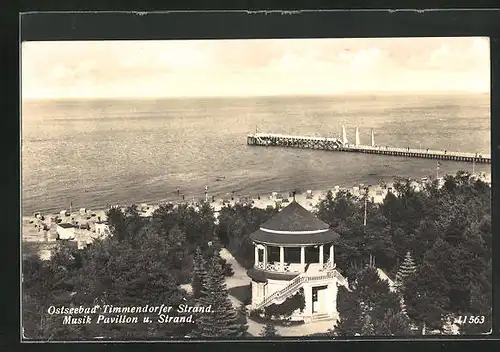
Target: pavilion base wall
{"x":326,"y":304}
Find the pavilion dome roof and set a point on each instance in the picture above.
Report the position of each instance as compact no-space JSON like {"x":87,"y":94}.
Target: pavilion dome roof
{"x":294,"y":217}
{"x":294,"y":225}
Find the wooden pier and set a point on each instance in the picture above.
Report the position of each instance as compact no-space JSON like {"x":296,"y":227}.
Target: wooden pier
{"x":335,"y":144}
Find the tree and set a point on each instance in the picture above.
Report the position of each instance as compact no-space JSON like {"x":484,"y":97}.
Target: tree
{"x":367,"y":307}
{"x":480,"y":309}
{"x":120,"y":274}
{"x":425,"y":237}
{"x":446,"y":229}
{"x":223,"y":320}
{"x":393,"y":324}
{"x":379,"y":242}
{"x":407,"y":269}
{"x":47,"y":283}
{"x":335,"y":210}
{"x":269,"y":330}
{"x":350,"y":313}
{"x":199,"y":275}
{"x":344,"y":213}
{"x":426,"y":297}
{"x":235,"y":225}
{"x":197,"y":224}
{"x":133,"y":221}
{"x":116,"y":222}
{"x":326,"y":208}
{"x":375,"y":295}
{"x":178,"y":255}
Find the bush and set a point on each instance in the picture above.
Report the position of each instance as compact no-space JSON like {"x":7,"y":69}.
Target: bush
{"x":286,"y":309}
{"x":259,"y":317}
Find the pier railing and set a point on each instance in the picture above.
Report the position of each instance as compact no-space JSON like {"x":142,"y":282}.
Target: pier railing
{"x":335,"y":144}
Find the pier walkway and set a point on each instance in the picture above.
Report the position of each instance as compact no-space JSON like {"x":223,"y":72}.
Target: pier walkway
{"x":335,"y":144}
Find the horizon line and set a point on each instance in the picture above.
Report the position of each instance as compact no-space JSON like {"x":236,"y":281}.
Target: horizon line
{"x":284,"y":95}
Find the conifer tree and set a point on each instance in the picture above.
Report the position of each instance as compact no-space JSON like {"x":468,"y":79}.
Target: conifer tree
{"x":223,"y":320}
{"x":199,"y":274}
{"x":393,"y":324}
{"x":364,"y":310}
{"x":426,"y":297}
{"x":407,"y":269}
{"x":269,"y":330}
{"x":350,"y":313}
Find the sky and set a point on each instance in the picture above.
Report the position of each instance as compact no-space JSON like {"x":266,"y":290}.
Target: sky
{"x":202,"y":68}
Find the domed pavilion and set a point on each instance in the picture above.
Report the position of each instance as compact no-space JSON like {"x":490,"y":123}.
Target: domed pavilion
{"x":295,"y":250}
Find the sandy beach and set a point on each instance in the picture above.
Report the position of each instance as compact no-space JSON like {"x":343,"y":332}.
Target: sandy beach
{"x":42,"y":228}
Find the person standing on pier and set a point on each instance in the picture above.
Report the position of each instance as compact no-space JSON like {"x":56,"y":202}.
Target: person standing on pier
{"x":437,"y":170}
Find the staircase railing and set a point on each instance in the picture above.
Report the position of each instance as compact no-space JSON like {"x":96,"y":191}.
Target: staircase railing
{"x":342,"y":280}
{"x":296,"y":283}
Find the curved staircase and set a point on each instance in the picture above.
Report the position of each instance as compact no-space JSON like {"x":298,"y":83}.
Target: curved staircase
{"x":293,"y":286}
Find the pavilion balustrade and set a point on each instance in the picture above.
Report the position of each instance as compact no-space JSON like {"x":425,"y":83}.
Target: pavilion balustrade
{"x":285,"y":259}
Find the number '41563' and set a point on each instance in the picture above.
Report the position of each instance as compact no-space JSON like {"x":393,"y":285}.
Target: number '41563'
{"x":471,"y":319}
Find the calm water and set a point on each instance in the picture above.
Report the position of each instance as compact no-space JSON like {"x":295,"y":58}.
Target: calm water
{"x":101,"y":152}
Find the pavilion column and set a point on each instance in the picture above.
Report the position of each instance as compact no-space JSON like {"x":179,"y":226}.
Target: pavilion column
{"x":321,"y":254}
{"x":265,"y":257}
{"x":332,"y":258}
{"x":256,"y":256}
{"x":282,"y":258}
{"x":303,"y":259}
{"x":308,"y":309}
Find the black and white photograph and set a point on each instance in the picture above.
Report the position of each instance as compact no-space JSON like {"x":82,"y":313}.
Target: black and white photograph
{"x":255,"y":188}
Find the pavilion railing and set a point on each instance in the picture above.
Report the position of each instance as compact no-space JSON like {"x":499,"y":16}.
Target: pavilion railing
{"x":274,"y":267}
{"x":329,"y":265}
{"x":288,"y":268}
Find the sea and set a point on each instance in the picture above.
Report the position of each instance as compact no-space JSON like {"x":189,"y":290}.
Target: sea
{"x":94,"y":153}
